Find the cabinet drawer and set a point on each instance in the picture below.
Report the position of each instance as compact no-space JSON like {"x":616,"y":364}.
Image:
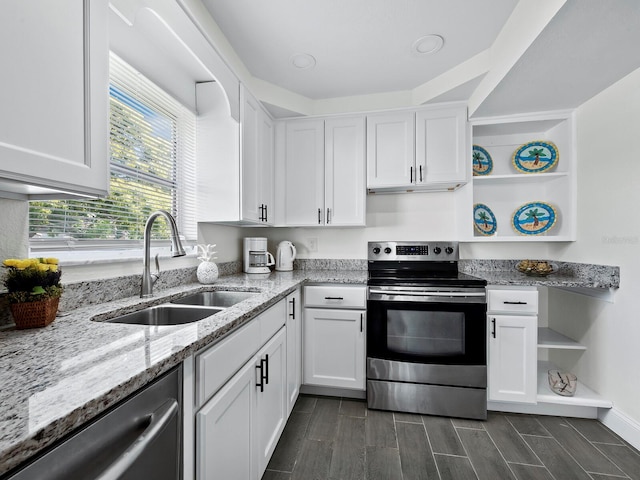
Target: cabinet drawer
{"x":347,"y":296}
{"x":272,"y":320}
{"x":513,"y":301}
{"x":217,"y":364}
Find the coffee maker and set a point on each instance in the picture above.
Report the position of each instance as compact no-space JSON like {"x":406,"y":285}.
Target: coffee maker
{"x":256,"y":257}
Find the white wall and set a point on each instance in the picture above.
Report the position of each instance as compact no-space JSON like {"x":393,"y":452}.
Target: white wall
{"x":14,"y":227}
{"x":608,"y":198}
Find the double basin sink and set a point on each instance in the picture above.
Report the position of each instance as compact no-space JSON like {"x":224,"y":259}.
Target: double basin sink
{"x":183,"y":310}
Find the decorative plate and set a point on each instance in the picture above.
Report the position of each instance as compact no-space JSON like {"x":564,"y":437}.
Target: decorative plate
{"x":536,"y":157}
{"x":534,"y":218}
{"x":484,"y":220}
{"x":481,"y":161}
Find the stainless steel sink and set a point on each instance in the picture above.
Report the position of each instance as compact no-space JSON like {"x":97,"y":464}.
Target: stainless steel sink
{"x":218,"y":298}
{"x":166,"y":315}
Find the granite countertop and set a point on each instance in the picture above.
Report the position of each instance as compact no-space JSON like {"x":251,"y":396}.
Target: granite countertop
{"x":57,"y":378}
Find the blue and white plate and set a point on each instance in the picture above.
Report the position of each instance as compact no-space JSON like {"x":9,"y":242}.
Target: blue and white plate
{"x":534,"y":218}
{"x":481,"y":161}
{"x":536,"y":157}
{"x":484,"y":220}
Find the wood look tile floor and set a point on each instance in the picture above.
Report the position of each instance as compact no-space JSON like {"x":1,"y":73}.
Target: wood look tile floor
{"x":340,"y":439}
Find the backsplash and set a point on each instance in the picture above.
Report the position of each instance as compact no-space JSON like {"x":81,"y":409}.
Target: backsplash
{"x":78,"y":294}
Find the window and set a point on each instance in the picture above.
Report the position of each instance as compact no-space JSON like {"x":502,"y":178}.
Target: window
{"x":152,"y":164}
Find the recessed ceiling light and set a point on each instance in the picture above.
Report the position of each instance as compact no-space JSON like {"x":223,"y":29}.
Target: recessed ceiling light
{"x":428,"y":44}
{"x":302,"y":61}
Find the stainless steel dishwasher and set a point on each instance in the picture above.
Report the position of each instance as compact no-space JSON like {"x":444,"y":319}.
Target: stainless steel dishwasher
{"x":138,"y":438}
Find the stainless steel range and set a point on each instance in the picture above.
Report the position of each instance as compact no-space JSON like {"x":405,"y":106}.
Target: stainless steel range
{"x":426,"y":331}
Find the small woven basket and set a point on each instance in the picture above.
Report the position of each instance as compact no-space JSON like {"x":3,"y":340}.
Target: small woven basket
{"x":34,"y":314}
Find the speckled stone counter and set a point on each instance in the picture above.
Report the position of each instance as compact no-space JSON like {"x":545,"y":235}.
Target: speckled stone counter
{"x":577,"y":275}
{"x":57,"y":378}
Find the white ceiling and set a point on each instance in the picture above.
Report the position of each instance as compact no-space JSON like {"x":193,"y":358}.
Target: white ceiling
{"x":363,"y":47}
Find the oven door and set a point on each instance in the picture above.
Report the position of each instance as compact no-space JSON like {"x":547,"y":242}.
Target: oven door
{"x":433,"y":332}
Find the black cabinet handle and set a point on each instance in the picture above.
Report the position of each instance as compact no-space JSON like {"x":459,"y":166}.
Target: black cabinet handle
{"x":266,"y":213}
{"x":493,"y":327}
{"x":334,"y":298}
{"x":410,"y":174}
{"x":361,"y":322}
{"x":420,"y":173}
{"x":319,"y":213}
{"x":514,"y":303}
{"x":260,"y":377}
{"x":293,"y":308}
{"x":266,"y":370}
{"x":328,"y":215}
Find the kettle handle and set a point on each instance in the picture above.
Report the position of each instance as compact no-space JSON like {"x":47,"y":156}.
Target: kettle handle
{"x":270,"y":260}
{"x":293,"y":247}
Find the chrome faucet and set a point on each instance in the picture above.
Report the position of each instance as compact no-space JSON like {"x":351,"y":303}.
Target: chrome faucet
{"x":148,"y":278}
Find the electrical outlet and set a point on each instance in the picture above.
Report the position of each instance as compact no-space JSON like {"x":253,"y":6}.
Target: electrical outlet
{"x":312,"y":244}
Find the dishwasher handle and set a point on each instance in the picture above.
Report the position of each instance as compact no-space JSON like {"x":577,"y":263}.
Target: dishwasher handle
{"x":158,"y":420}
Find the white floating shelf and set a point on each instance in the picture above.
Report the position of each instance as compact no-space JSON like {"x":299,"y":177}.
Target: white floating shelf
{"x":584,"y":396}
{"x":516,"y":178}
{"x":548,"y":338}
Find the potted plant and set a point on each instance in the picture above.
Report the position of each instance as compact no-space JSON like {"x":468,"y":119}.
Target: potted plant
{"x":34,"y":290}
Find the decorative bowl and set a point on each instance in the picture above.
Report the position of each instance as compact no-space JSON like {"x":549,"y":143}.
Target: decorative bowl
{"x":562,"y":383}
{"x":536,"y":268}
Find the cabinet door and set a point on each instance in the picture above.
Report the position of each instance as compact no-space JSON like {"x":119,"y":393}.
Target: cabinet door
{"x":294,"y":348}
{"x":250,"y":127}
{"x":345,"y":189}
{"x":304,"y":173}
{"x":512,"y":362}
{"x":390,"y":149}
{"x":441,"y":153}
{"x":225,"y":430}
{"x":53,"y":123}
{"x":334,"y":354}
{"x":271,"y":411}
{"x":266,"y":160}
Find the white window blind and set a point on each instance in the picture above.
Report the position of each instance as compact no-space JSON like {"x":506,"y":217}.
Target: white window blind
{"x":152,"y":164}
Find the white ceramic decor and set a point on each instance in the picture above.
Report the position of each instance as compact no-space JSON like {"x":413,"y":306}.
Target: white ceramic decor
{"x":207,"y":271}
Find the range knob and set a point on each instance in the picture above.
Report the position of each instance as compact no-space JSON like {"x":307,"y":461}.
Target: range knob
{"x":437,"y":250}
{"x":387,"y":250}
{"x":376,"y":250}
{"x":448,"y":250}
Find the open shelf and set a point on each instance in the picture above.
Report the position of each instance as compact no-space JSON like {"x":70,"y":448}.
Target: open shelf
{"x":518,"y":178}
{"x":584,"y":396}
{"x":548,"y":338}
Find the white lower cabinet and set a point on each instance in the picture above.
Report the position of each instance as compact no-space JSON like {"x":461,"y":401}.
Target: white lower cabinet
{"x":334,"y":348}
{"x":512,"y":344}
{"x":294,"y":348}
{"x":512,"y":371}
{"x":225,"y":430}
{"x":334,"y":338}
{"x":238,"y":427}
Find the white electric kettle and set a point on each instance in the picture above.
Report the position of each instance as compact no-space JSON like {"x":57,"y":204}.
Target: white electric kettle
{"x":285,"y":256}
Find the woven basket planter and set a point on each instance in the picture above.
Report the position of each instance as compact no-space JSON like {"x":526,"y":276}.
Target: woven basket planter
{"x":34,"y":314}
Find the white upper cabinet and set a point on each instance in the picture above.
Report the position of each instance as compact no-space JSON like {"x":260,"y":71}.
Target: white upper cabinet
{"x":417,"y":150}
{"x":322,"y":164}
{"x":234,"y":161}
{"x":53,"y":123}
{"x":390,"y":149}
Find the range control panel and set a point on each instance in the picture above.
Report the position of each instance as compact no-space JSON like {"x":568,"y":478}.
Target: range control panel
{"x":436,"y":251}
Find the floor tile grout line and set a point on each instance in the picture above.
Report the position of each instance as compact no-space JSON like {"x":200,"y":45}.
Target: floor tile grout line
{"x":433,"y":454}
{"x":611,"y":459}
{"x":464,"y":448}
{"x":521,"y":435}
{"x":501,"y":454}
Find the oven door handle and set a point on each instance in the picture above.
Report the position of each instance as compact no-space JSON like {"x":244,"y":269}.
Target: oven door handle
{"x":427,"y":294}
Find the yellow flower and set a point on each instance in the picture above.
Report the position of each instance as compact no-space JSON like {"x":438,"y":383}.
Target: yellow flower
{"x":43,"y":267}
{"x":22,"y":264}
{"x":10,"y":262}
{"x":50,"y":261}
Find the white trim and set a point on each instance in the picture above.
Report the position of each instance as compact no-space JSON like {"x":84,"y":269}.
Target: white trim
{"x":622,"y":424}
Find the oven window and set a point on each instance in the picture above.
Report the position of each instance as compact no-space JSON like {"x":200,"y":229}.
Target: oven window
{"x":414,"y":332}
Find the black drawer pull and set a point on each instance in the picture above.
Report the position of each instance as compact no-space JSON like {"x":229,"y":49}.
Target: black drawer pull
{"x":260,"y":377}
{"x":334,"y":298}
{"x":514,"y":303}
{"x":493,"y":327}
